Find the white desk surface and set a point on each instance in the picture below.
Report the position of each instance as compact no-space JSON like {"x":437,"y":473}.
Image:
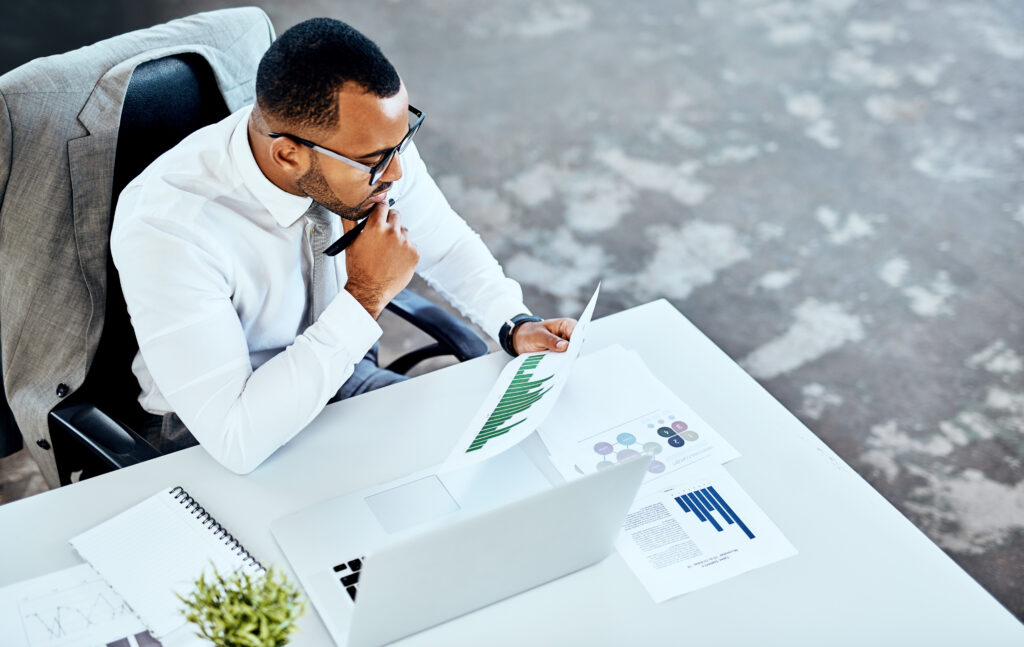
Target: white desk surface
{"x":864,"y":574}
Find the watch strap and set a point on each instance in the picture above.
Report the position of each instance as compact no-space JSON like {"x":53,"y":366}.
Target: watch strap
{"x":508,"y":330}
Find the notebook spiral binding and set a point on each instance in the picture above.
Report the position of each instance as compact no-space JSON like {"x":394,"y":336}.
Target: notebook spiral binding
{"x":199,"y":512}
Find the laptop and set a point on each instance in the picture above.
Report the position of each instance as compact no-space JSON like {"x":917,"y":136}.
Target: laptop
{"x":387,"y":562}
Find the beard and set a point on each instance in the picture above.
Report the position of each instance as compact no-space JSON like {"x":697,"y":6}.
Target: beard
{"x":313,"y":184}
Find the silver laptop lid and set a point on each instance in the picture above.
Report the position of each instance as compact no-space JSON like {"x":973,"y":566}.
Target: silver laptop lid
{"x":440,"y":574}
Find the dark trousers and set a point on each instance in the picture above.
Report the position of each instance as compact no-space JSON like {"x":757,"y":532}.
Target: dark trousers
{"x":167,"y":433}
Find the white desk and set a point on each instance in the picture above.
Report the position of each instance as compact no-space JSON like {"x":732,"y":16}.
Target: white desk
{"x":864,"y":575}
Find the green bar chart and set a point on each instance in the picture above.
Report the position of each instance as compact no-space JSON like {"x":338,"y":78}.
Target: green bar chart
{"x":523,"y":394}
{"x":520,"y":395}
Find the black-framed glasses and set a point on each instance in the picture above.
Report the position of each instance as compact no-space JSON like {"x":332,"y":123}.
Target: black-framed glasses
{"x":377,"y":170}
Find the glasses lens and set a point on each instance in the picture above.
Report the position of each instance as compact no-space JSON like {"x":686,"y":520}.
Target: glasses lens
{"x":408,"y":138}
{"x":378,"y":170}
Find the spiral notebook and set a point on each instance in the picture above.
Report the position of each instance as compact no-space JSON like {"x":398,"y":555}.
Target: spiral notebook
{"x":158,"y":548}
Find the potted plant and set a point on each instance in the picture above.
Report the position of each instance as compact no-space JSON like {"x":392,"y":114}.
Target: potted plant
{"x":239,"y":610}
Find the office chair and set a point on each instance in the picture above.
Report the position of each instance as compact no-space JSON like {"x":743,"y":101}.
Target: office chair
{"x":166,"y":100}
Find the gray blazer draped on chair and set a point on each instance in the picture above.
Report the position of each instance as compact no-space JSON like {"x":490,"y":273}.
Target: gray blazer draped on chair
{"x":59,"y":118}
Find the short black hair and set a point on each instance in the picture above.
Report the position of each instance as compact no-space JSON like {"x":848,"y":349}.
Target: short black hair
{"x":299,"y":76}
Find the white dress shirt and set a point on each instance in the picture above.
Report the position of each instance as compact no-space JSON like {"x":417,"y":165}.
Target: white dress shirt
{"x":215,"y":262}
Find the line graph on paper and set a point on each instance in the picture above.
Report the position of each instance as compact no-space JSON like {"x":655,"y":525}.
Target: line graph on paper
{"x":85,"y":612}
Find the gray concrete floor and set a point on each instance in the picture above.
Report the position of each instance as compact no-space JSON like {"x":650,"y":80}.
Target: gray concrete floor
{"x":830,"y":189}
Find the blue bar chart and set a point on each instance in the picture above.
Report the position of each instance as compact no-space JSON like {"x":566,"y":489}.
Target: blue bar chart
{"x":703,"y":503}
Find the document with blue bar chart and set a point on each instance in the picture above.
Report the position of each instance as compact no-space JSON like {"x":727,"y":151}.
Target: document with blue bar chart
{"x":520,"y":399}
{"x":700,"y":530}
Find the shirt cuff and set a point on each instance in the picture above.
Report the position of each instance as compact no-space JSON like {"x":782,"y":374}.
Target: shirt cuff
{"x":345,"y":322}
{"x":499,"y":313}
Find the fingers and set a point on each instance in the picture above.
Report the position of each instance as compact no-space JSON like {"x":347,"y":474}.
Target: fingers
{"x":387,"y":220}
{"x":562,"y":327}
{"x":380,"y":216}
{"x":557,"y":332}
{"x":550,"y":334}
{"x":393,"y":223}
{"x":554,"y":342}
{"x":551,"y":341}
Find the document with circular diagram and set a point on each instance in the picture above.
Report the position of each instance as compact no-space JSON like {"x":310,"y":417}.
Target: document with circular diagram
{"x":613,"y":408}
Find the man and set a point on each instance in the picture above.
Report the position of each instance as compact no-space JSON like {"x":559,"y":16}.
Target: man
{"x":246,"y":329}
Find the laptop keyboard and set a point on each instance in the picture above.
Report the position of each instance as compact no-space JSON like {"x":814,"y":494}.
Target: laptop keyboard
{"x":348,"y":575}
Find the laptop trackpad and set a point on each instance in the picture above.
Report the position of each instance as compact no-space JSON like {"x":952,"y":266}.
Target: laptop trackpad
{"x":411,"y":504}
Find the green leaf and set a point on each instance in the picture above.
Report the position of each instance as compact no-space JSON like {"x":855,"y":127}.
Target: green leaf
{"x":241,"y":610}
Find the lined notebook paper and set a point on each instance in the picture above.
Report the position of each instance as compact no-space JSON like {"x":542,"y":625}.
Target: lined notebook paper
{"x":158,"y":548}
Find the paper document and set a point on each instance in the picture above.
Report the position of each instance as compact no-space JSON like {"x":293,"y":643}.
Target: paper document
{"x":701,"y":530}
{"x":520,"y":399}
{"x":158,"y":548}
{"x":614,"y":408}
{"x":692,"y":525}
{"x":73,"y":608}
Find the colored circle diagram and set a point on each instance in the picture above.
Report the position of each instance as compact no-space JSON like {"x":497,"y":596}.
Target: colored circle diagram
{"x":675,"y":433}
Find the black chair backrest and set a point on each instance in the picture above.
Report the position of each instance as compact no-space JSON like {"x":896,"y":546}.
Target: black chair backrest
{"x":10,"y":436}
{"x":167,"y":99}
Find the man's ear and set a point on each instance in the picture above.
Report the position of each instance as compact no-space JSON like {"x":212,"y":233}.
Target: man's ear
{"x":288,"y":155}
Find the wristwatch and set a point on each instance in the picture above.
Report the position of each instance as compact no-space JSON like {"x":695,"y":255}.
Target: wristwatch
{"x":508,"y":330}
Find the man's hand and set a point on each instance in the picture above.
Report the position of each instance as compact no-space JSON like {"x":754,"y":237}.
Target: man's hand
{"x":550,"y":334}
{"x":380,"y":262}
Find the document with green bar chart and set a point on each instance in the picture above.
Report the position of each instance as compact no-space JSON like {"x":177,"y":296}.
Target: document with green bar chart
{"x":523,"y":395}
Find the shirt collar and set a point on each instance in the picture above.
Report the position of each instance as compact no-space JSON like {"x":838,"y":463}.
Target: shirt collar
{"x":285,"y":207}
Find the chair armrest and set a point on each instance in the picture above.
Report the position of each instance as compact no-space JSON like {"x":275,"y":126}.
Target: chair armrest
{"x":84,"y":428}
{"x":454,"y":336}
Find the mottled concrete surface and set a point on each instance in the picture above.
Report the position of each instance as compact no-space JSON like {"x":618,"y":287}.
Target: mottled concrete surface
{"x":830,"y":189}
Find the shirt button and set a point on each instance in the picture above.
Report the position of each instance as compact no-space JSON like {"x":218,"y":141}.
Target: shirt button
{"x":42,"y":443}
{"x":62,"y":390}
